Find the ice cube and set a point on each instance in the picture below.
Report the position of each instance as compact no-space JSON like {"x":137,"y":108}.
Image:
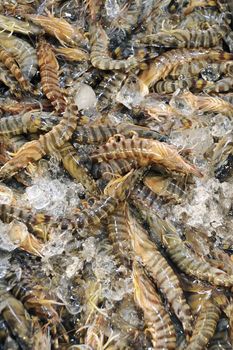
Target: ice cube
{"x":132,"y":92}
{"x":38,"y":197}
{"x":85,"y":97}
{"x":112,"y":8}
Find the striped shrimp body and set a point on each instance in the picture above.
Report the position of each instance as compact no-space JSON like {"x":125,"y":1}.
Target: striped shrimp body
{"x":101,"y":133}
{"x":115,"y":192}
{"x":143,"y":197}
{"x":7,"y":79}
{"x":8,"y":60}
{"x":165,"y":63}
{"x":29,"y":122}
{"x":157,"y":319}
{"x":74,"y":54}
{"x":49,"y":68}
{"x":118,"y":233}
{"x":48,"y":143}
{"x":99,"y":52}
{"x":215,"y":105}
{"x":194,"y":68}
{"x":72,"y":164}
{"x":160,"y":270}
{"x":205,"y":326}
{"x":23,"y":52}
{"x":170,"y":86}
{"x":16,"y":318}
{"x":113,"y":168}
{"x":145,"y":152}
{"x":181,"y":38}
{"x":180,"y":102}
{"x":108,"y":88}
{"x":93,"y":134}
{"x":184,"y":258}
{"x":10,"y":212}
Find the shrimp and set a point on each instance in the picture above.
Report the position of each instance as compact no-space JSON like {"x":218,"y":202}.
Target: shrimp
{"x":72,"y":164}
{"x":181,"y":38}
{"x":10,"y":212}
{"x":23,"y":53}
{"x":49,"y":68}
{"x":145,"y":152}
{"x":19,"y":235}
{"x":165,"y":187}
{"x":59,"y":28}
{"x":99,"y":52}
{"x":157,"y":319}
{"x":29,"y":122}
{"x":47,"y":144}
{"x":165,"y":63}
{"x":115,"y":193}
{"x":8,"y":60}
{"x":160,"y":270}
{"x":205,"y":326}
{"x":184,"y":258}
{"x":73,"y":54}
{"x":11,"y":24}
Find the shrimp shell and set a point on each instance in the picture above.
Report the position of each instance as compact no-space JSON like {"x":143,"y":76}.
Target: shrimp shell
{"x":184,"y":258}
{"x":205,"y":326}
{"x":99,"y":52}
{"x":7,"y":59}
{"x":49,"y":68}
{"x":72,"y":164}
{"x":23,"y":52}
{"x":164,"y":63}
{"x":47,"y":144}
{"x":145,"y":152}
{"x":157,"y":319}
{"x":29,"y":122}
{"x":160,"y":270}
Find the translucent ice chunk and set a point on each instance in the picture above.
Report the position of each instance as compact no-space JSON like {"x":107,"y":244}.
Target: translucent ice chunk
{"x":112,"y":8}
{"x":183,"y":103}
{"x":74,"y":267}
{"x":199,"y":140}
{"x":85,"y":97}
{"x":47,"y":194}
{"x":89,"y":249}
{"x":132,"y":92}
{"x":38,"y":196}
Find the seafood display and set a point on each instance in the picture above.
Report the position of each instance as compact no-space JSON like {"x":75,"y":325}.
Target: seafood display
{"x":116,"y":172}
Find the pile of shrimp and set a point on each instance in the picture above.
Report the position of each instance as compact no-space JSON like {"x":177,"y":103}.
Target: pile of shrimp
{"x":101,"y":100}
